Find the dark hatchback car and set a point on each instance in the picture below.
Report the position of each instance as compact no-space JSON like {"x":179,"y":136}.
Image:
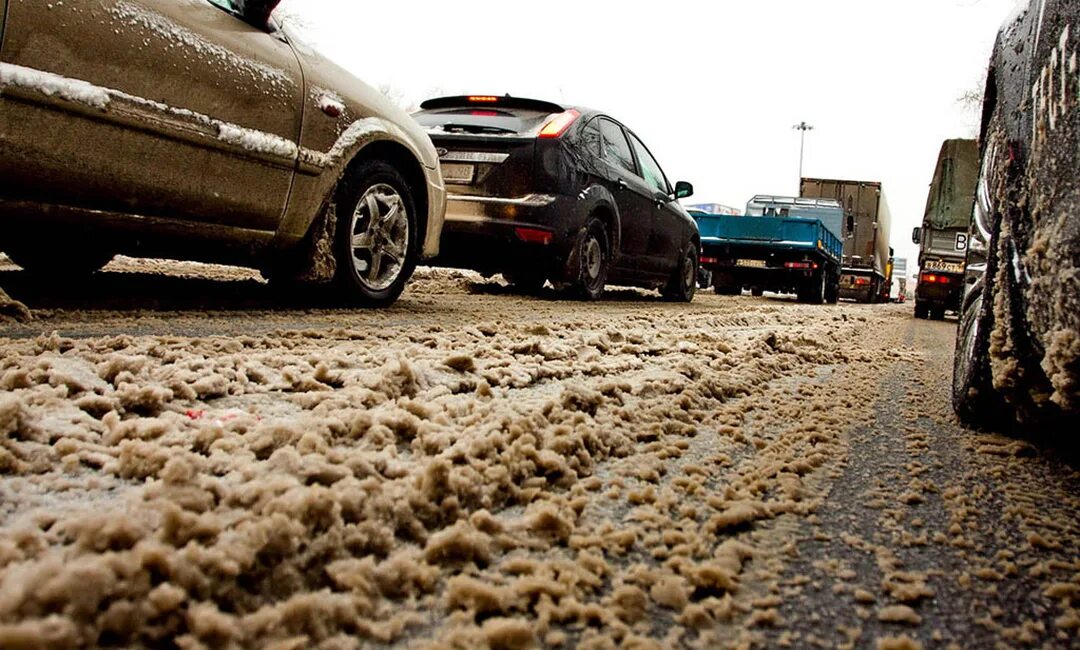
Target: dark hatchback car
{"x":541,"y":192}
{"x":1018,"y":343}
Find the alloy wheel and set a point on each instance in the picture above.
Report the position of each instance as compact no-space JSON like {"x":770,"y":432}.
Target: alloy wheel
{"x":380,"y":236}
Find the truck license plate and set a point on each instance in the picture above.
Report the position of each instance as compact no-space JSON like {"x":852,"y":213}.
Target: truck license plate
{"x":458,"y":173}
{"x":944,"y":267}
{"x":754,"y":264}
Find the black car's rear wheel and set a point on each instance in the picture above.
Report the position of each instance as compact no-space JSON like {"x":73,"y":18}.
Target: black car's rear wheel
{"x":593,"y":259}
{"x":376,"y":234}
{"x":683,"y":283}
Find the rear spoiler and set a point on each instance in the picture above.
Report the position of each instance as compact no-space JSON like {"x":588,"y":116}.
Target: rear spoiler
{"x":503,"y":101}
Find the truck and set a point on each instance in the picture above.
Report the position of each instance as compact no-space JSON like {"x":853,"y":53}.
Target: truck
{"x":866,"y":273}
{"x":943,"y":235}
{"x":781,"y":244}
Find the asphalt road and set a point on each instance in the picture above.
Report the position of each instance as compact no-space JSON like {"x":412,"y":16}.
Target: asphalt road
{"x":479,"y":468}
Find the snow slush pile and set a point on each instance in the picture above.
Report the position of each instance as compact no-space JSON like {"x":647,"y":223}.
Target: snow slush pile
{"x":533,"y":472}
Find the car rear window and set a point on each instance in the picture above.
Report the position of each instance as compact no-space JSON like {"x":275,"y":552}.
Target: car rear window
{"x":487,"y":121}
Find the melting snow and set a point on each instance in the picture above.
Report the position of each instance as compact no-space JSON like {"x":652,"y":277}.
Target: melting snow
{"x":257,"y":141}
{"x":51,"y":85}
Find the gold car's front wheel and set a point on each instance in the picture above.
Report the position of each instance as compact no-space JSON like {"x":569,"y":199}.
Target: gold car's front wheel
{"x":376,"y":233}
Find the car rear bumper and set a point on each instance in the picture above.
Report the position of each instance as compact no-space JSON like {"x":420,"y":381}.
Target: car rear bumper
{"x":493,"y":234}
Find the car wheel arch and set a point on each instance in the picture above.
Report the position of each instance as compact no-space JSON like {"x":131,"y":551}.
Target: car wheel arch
{"x":307,"y":259}
{"x":601,"y":204}
{"x":404,"y":160}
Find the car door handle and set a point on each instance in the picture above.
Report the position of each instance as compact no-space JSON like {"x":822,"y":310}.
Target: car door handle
{"x":621,"y":183}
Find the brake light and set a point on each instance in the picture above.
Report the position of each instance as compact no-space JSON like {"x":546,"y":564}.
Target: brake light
{"x":931,"y":278}
{"x":483,"y":99}
{"x":709,"y":260}
{"x":534,"y":235}
{"x":558,"y":124}
{"x":797,"y":265}
{"x":862,"y":281}
{"x":484,"y":113}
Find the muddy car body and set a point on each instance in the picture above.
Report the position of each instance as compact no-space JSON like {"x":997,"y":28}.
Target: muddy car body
{"x":1018,"y":344}
{"x":539,"y":191}
{"x":201,"y":129}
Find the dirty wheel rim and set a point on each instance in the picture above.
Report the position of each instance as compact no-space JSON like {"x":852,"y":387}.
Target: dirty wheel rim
{"x":380,"y":237}
{"x":689,"y":271}
{"x":594,"y":258}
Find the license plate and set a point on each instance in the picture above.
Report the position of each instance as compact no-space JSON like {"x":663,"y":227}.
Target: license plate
{"x":944,"y":267}
{"x":754,"y":264}
{"x":458,"y":173}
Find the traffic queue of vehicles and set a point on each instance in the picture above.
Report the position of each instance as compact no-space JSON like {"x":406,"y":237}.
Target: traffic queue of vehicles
{"x":201,"y":130}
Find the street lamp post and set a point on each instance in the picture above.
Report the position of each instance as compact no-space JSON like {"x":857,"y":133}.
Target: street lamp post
{"x":802,"y":128}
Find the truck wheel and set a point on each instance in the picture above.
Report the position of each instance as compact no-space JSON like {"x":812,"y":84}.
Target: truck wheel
{"x":832,"y":291}
{"x":376,"y":234}
{"x":757,"y":292}
{"x":812,"y":291}
{"x":683,"y":283}
{"x":922,"y":310}
{"x":593,"y":258}
{"x":724,"y":284}
{"x":704,"y":278}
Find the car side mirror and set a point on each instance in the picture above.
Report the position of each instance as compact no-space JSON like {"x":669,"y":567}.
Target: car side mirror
{"x":683,"y":190}
{"x":257,"y":12}
{"x":916,"y":235}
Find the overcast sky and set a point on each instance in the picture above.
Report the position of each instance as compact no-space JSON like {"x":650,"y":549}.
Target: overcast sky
{"x":712,"y":88}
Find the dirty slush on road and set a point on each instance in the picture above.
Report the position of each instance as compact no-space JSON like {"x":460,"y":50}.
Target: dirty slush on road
{"x":468,"y":469}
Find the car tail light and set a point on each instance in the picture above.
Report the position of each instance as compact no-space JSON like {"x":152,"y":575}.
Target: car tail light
{"x":558,"y":124}
{"x":534,"y":235}
{"x":709,"y":260}
{"x":862,"y":281}
{"x":483,"y":99}
{"x":797,"y":265}
{"x":484,"y":113}
{"x":931,"y":278}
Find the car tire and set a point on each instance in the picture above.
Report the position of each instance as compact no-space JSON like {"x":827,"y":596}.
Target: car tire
{"x":757,"y":292}
{"x":683,"y":283}
{"x":54,"y":259}
{"x":975,"y":400}
{"x":592,"y":257}
{"x":376,"y":237}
